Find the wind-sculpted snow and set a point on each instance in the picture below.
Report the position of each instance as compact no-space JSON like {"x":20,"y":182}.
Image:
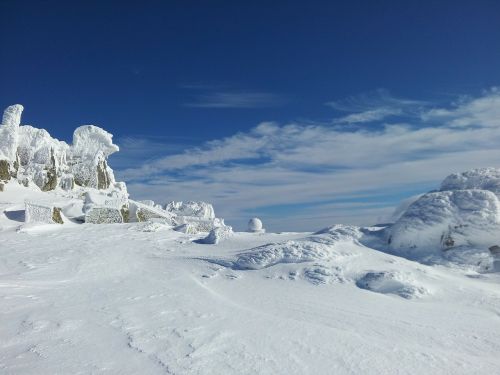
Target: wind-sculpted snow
{"x":319,"y":246}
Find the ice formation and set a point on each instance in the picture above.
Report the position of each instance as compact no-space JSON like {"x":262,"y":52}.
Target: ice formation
{"x":465,"y":212}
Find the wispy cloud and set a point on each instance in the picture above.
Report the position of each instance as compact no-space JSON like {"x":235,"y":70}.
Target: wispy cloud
{"x":236,"y":100}
{"x":374,"y":106}
{"x":223,"y":96}
{"x":315,"y":175}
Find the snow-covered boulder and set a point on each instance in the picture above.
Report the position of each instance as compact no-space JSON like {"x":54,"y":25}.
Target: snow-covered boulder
{"x":218,"y":234}
{"x":103,"y":215}
{"x":42,"y":213}
{"x":194,"y":209}
{"x":466,"y":212}
{"x":146,"y":211}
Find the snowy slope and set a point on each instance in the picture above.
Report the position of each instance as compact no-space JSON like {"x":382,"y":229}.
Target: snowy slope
{"x":140,"y":298}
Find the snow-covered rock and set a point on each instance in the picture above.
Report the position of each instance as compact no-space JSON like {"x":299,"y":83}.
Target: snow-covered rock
{"x":218,"y":234}
{"x":105,"y":208}
{"x":42,"y":213}
{"x":89,"y":152}
{"x":201,"y":210}
{"x":32,"y":156}
{"x":103,"y":215}
{"x":466,"y":212}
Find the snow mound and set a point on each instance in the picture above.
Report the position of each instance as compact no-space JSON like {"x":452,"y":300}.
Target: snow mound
{"x":464,"y":214}
{"x":319,"y":246}
{"x":392,"y":282}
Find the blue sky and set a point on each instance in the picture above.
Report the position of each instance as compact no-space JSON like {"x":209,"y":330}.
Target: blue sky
{"x":304,"y":113}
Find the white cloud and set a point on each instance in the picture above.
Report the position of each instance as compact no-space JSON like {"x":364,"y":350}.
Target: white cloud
{"x":303,"y":167}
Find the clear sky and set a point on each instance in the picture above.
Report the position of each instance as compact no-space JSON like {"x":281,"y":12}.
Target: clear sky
{"x":303,"y":113}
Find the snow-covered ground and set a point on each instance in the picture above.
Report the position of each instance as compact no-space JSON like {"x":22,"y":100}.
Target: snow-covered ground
{"x":140,"y":298}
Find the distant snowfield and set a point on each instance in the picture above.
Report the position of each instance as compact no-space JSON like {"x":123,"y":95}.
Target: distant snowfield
{"x":140,"y":298}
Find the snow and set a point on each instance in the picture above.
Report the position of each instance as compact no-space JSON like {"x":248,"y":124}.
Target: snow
{"x":115,"y":299}
{"x":149,"y":297}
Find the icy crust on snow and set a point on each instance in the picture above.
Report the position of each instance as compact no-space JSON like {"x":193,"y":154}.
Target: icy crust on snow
{"x":319,"y":246}
{"x":464,"y":214}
